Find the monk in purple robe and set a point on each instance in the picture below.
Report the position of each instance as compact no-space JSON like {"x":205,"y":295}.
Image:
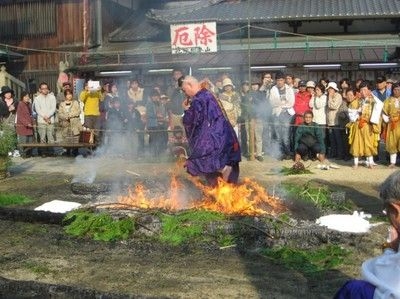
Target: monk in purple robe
{"x":214,"y":147}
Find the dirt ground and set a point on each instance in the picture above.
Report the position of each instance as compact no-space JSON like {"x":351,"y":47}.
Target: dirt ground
{"x":43,"y":254}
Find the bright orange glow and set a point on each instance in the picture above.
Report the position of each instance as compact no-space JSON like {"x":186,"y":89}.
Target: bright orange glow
{"x":246,"y":198}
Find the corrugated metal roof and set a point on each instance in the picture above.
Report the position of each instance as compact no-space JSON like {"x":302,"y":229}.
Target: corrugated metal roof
{"x":279,"y":10}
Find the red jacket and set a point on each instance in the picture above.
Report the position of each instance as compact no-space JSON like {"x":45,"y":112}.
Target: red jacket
{"x":24,"y":125}
{"x":301,"y":105}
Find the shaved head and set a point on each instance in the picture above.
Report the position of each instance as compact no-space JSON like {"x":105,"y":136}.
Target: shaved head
{"x":190,"y":86}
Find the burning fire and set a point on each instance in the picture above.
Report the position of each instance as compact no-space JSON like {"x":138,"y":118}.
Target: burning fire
{"x":247,"y":198}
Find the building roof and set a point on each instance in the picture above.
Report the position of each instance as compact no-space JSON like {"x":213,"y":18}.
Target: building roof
{"x":153,"y":24}
{"x":277,"y":10}
{"x":137,"y":27}
{"x":145,"y":36}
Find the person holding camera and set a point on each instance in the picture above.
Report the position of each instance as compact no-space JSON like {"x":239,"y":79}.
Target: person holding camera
{"x":91,"y":97}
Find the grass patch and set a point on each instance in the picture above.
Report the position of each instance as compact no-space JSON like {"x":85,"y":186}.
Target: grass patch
{"x":309,"y":262}
{"x":9,"y":199}
{"x":294,"y":171}
{"x":378,"y":219}
{"x":98,"y":226}
{"x":37,"y":268}
{"x":31,"y":178}
{"x":320,"y":196}
{"x":190,"y":226}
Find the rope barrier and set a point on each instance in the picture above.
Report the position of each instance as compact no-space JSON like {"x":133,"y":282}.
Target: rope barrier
{"x":265,"y":123}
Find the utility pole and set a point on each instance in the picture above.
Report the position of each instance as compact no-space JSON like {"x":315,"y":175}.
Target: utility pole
{"x":251,"y":122}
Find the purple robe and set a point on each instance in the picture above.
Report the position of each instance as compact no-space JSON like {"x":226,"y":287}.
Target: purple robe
{"x":356,"y":289}
{"x":213,"y":142}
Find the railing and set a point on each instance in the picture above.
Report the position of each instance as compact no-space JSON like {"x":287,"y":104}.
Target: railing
{"x":7,"y":79}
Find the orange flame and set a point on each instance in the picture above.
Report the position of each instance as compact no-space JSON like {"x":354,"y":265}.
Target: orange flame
{"x":246,"y":198}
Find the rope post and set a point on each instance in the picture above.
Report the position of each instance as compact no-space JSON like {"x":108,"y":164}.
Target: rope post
{"x":307,"y":49}
{"x":385,"y":54}
{"x":360,"y":52}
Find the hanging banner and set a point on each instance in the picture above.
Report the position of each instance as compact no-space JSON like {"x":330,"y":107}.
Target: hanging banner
{"x":194,"y":38}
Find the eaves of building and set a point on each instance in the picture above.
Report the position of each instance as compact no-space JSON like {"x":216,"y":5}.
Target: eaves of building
{"x":137,"y":44}
{"x":241,"y":53}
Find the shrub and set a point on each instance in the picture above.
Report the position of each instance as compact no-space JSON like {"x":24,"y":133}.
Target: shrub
{"x":187,"y":226}
{"x":8,"y":140}
{"x":309,"y":262}
{"x":98,"y":226}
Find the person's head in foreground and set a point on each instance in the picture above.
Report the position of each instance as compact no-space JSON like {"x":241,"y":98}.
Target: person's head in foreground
{"x":380,"y":274}
{"x":390,"y":194}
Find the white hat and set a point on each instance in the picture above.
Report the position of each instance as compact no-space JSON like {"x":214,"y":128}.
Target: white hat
{"x":332,"y":85}
{"x":310,"y":84}
{"x":227,"y":82}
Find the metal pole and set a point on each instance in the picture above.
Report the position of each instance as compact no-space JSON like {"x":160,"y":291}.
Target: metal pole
{"x":99,"y":24}
{"x":251,"y":123}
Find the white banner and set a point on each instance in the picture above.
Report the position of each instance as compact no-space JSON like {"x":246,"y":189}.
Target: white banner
{"x":194,"y":38}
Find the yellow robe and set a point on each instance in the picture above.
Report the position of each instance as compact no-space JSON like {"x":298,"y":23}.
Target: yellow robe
{"x":364,"y":135}
{"x":391,"y":108}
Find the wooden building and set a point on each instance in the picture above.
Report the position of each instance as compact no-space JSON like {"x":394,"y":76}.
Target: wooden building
{"x":52,"y":34}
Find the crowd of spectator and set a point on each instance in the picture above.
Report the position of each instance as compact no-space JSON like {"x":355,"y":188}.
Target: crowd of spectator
{"x":345,"y":120}
{"x":352,"y":118}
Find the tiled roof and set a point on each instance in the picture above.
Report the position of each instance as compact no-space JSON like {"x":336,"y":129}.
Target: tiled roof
{"x":151,"y":25}
{"x":278,"y":10}
{"x":140,"y":27}
{"x":137,"y":27}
